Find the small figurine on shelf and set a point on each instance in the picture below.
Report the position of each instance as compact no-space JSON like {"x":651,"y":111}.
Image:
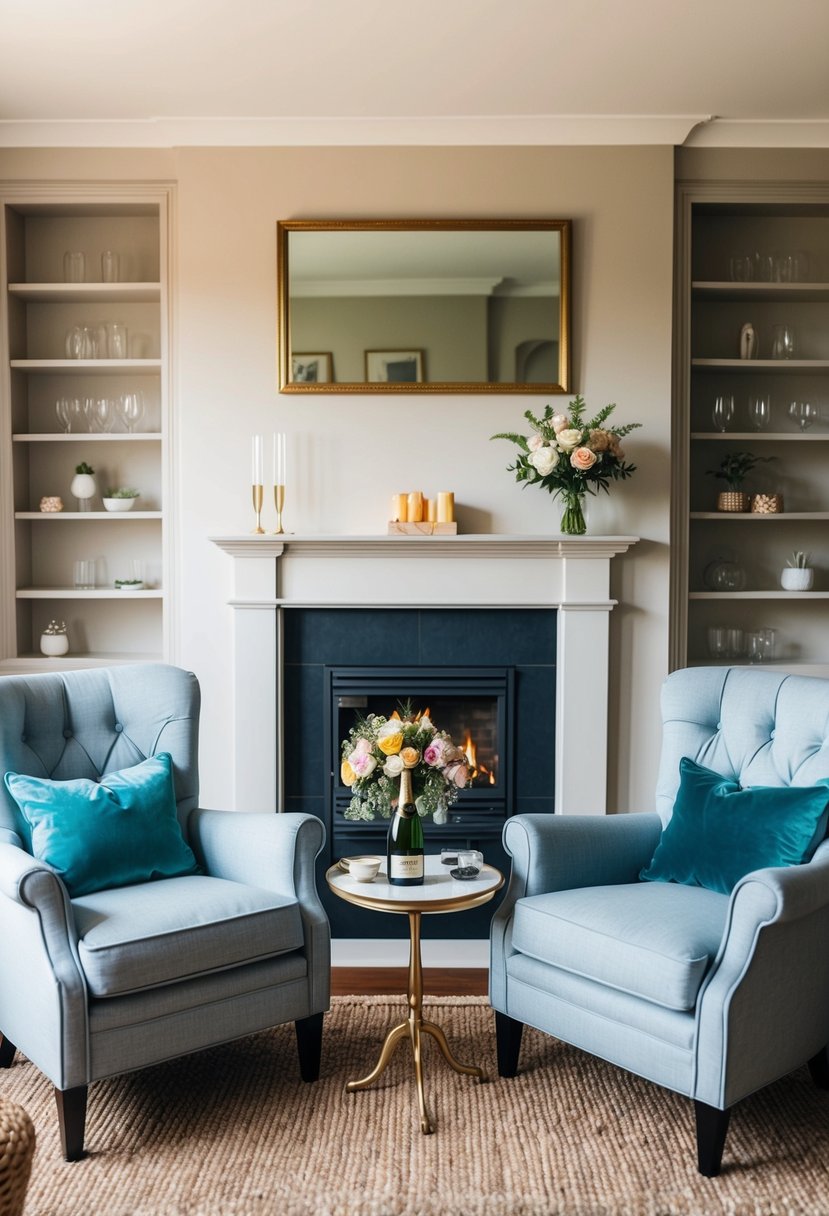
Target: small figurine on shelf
{"x":83,"y":485}
{"x":54,"y":640}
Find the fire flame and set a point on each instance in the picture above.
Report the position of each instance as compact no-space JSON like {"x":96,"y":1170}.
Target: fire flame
{"x":471,"y":752}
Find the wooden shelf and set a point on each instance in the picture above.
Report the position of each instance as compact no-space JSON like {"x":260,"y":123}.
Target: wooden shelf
{"x":86,"y":367}
{"x":84,"y":516}
{"x":92,"y":437}
{"x":82,"y":293}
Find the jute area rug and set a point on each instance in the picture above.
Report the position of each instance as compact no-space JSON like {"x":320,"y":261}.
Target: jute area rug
{"x":233,"y":1130}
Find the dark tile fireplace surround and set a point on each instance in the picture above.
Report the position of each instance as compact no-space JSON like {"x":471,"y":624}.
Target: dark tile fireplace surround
{"x":492,"y":672}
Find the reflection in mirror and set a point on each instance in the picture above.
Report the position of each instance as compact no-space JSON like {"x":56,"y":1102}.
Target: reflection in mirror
{"x":471,"y":306}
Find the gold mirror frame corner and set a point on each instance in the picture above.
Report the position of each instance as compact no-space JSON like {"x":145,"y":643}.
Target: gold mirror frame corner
{"x":284,"y":359}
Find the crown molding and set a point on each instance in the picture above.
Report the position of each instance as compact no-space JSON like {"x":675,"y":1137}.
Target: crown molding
{"x":479,"y":130}
{"x":760,"y":133}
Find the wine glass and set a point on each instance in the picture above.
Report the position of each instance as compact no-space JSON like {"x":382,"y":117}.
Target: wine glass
{"x":130,"y":407}
{"x":759,"y":412}
{"x":101,"y":416}
{"x":803,"y":413}
{"x":78,"y":413}
{"x":723,"y":412}
{"x":63,"y":412}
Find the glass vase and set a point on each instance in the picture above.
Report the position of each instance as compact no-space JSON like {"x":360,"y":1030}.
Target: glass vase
{"x":572,"y":516}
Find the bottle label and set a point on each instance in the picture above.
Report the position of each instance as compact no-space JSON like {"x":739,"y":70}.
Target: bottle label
{"x":401,"y":866}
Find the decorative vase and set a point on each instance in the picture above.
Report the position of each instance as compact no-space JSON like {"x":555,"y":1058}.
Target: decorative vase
{"x":766,"y":504}
{"x":83,"y":488}
{"x":732,"y":500}
{"x":54,"y":641}
{"x":572,"y":517}
{"x":797,"y":578}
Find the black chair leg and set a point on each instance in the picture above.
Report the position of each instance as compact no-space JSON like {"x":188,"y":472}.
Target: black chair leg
{"x":712,"y":1126}
{"x":507,"y":1043}
{"x":819,"y":1068}
{"x":7,"y":1050}
{"x":309,"y":1043}
{"x":71,"y":1104}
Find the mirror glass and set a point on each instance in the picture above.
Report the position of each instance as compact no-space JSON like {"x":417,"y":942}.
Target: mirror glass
{"x":424,"y":306}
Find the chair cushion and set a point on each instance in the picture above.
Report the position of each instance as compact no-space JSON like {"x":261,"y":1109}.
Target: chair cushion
{"x":718,"y":831}
{"x":118,"y":831}
{"x":132,"y":938}
{"x":648,"y":939}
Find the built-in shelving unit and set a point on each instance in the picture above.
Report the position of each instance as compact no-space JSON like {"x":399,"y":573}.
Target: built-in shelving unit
{"x":38,"y":458}
{"x":770,"y":233}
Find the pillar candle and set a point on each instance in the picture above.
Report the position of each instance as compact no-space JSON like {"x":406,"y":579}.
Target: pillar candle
{"x":399,"y":508}
{"x":430,"y":510}
{"x":446,"y":507}
{"x":415,"y":506}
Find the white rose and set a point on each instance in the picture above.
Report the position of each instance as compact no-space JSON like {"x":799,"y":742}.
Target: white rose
{"x":535,"y":442}
{"x":568,"y":439}
{"x":544,"y":460}
{"x":426,"y":723}
{"x":392,"y":727}
{"x":393,"y":766}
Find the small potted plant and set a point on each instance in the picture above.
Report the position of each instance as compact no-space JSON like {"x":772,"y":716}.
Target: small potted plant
{"x":120,"y":499}
{"x":83,"y":485}
{"x":129,"y":584}
{"x":797,"y":574}
{"x":733,"y":470}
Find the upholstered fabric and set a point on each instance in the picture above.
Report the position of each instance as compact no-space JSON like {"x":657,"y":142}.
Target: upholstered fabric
{"x":719,"y":831}
{"x":711,"y":994}
{"x":132,"y":938}
{"x":643,"y":938}
{"x":124,"y":977}
{"x":97,"y":834}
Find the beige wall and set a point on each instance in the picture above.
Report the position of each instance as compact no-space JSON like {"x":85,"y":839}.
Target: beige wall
{"x":353,"y":452}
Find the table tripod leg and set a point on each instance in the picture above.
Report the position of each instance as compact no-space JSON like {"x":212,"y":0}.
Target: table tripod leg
{"x":416,"y":1017}
{"x":392,"y":1039}
{"x":469,"y":1070}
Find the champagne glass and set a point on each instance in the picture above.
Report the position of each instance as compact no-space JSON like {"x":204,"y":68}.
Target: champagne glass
{"x":62,"y":409}
{"x":723,"y":412}
{"x":130,"y":408}
{"x":759,"y":412}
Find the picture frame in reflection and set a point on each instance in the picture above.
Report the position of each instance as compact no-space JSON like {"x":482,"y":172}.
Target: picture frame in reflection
{"x":394,"y":366}
{"x":314,"y":367}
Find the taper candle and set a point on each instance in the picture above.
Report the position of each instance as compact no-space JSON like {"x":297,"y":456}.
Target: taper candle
{"x":258,"y":461}
{"x":280,"y":458}
{"x":446,"y":507}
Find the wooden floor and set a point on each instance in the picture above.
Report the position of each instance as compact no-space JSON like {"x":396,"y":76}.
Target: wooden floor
{"x":380,"y":981}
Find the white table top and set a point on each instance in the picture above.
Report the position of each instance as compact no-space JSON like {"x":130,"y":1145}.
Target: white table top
{"x":440,"y":892}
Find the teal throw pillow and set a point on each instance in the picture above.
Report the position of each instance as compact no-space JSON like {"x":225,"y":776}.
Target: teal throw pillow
{"x":719,"y":831}
{"x":112,"y":833}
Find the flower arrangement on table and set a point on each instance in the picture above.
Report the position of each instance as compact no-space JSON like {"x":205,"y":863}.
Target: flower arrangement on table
{"x":378,"y":749}
{"x":570,"y":457}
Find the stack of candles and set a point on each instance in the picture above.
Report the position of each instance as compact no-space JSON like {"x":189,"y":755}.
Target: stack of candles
{"x":413,"y":508}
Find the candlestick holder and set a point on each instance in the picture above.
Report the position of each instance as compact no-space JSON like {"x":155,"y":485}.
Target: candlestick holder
{"x":258,"y":493}
{"x":279,"y":503}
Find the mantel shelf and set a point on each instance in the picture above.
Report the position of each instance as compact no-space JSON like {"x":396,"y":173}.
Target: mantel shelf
{"x":472,"y":544}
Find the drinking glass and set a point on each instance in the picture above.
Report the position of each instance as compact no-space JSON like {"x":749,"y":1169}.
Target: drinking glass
{"x":759,"y":412}
{"x":110,"y":266}
{"x":760,"y":645}
{"x":783,"y":342}
{"x":116,"y":340}
{"x":90,"y":343}
{"x":734,"y":643}
{"x":84,"y":574}
{"x":741,"y":267}
{"x":74,"y":266}
{"x":101,"y":416}
{"x":130,"y":409}
{"x":717,"y":637}
{"x":783,"y":267}
{"x":723,"y":412}
{"x":75,"y":342}
{"x":64,"y":416}
{"x":803,"y":413}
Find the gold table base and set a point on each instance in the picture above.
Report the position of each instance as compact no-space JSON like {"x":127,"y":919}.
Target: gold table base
{"x":415,"y":1027}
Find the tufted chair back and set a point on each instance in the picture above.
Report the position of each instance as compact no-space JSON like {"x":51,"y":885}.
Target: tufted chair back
{"x":755,"y":726}
{"x":88,"y":723}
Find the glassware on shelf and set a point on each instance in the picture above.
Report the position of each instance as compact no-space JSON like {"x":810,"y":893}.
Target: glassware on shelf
{"x":110,"y":266}
{"x":75,"y":342}
{"x":734,"y":643}
{"x":116,"y":340}
{"x":101,"y":417}
{"x":74,"y":266}
{"x":63,"y":411}
{"x":741,"y":267}
{"x":130,"y":409}
{"x":723,"y":412}
{"x":783,"y":342}
{"x":90,"y":342}
{"x":725,"y":642}
{"x":783,"y":267}
{"x":803,"y":413}
{"x":759,"y":411}
{"x":760,"y":645}
{"x":724,"y":575}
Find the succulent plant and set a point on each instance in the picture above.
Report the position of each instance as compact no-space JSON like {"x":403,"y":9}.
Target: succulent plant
{"x":122,"y":492}
{"x":83,"y":467}
{"x":799,"y":560}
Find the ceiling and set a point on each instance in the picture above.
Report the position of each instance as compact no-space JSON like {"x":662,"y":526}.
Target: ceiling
{"x":413,"y":71}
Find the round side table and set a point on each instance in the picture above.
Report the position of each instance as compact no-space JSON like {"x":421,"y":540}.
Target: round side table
{"x":440,"y":892}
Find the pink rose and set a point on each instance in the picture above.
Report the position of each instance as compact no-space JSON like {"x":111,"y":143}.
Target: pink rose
{"x":583,"y":459}
{"x":560,"y":422}
{"x":535,"y":442}
{"x":458,"y":773}
{"x":435,"y":753}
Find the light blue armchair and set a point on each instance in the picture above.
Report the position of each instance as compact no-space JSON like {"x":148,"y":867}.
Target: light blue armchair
{"x":121,"y":978}
{"x":712,"y":995}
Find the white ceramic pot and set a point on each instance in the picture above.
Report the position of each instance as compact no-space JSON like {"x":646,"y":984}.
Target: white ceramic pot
{"x":118,"y":504}
{"x":54,"y":644}
{"x":83,"y":485}
{"x":794,"y":578}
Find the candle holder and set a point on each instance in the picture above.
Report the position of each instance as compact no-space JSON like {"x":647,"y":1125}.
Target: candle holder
{"x":279,"y":503}
{"x":258,"y":492}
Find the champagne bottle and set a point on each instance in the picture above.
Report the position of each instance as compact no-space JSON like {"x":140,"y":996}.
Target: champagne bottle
{"x":404,"y":851}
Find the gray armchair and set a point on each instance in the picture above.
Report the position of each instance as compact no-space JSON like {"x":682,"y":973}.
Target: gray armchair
{"x":711,"y":993}
{"x":121,"y":978}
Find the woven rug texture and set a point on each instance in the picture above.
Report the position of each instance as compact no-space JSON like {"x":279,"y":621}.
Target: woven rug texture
{"x":233,"y":1131}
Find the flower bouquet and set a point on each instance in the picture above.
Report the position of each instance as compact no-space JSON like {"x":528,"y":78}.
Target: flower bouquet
{"x":378,"y":749}
{"x":570,"y":457}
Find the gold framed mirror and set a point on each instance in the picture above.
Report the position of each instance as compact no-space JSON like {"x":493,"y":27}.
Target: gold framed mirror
{"x":412,"y":306}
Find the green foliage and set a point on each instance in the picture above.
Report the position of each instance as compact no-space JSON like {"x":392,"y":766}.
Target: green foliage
{"x":122,"y":492}
{"x":799,"y":560}
{"x":735,"y":467}
{"x":83,"y":467}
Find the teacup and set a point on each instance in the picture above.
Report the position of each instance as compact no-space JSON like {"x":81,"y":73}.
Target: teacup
{"x":364,"y":869}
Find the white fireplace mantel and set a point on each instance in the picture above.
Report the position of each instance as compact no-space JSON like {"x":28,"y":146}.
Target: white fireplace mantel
{"x":570,"y":574}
